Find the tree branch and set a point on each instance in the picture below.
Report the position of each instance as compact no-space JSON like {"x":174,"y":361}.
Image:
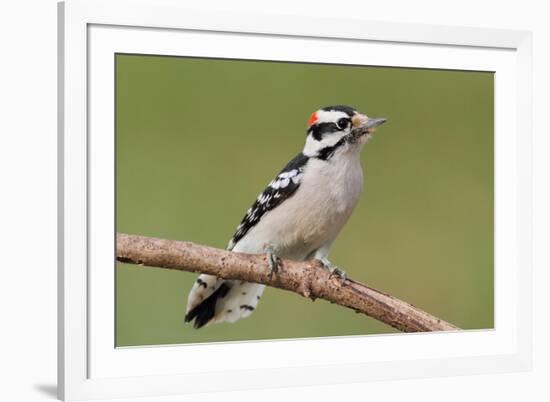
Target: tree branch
{"x":305,"y":278}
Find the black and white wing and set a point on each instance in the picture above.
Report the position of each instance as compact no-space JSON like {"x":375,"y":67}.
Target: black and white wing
{"x":282,"y":187}
{"x":214,"y":299}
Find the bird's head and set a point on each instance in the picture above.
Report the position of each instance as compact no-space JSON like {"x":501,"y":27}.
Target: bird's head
{"x":336,"y":129}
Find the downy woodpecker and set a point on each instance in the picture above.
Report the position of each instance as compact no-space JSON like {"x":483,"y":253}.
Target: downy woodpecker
{"x":297,"y":216}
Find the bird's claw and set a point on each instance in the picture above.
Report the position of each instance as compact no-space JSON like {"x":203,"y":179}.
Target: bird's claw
{"x":273,"y":261}
{"x":339,"y":273}
{"x":334,"y":270}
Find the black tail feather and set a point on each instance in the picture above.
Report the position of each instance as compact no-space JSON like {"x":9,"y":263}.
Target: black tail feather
{"x":203,"y":312}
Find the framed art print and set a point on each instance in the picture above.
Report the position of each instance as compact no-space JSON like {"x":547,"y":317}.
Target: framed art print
{"x":183,"y":130}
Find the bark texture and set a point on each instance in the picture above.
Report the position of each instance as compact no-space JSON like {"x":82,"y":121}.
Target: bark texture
{"x":307,"y":278}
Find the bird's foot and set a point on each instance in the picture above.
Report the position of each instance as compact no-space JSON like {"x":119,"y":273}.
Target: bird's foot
{"x":333,"y":269}
{"x":272,"y":260}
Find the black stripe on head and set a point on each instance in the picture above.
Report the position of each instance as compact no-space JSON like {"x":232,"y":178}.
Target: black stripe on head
{"x":328,"y":152}
{"x":319,"y":130}
{"x":341,"y":108}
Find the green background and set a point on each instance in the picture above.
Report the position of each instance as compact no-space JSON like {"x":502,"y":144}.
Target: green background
{"x":198,"y":139}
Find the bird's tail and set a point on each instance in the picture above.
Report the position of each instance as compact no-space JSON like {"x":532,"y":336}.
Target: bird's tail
{"x":213,"y":300}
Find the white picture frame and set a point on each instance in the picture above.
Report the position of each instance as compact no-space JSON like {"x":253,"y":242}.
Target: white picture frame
{"x":90,"y":32}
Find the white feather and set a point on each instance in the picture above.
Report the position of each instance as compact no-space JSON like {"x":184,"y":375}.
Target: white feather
{"x":315,"y":214}
{"x":203,"y":287}
{"x":330,"y":116}
{"x":240,"y":301}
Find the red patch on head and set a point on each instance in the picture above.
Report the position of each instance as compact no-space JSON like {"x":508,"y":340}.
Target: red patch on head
{"x":312,"y":119}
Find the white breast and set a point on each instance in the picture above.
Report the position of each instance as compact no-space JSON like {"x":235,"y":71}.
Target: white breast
{"x":314,"y":214}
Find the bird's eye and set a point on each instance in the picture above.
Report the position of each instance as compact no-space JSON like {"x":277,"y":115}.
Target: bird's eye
{"x":343,"y":123}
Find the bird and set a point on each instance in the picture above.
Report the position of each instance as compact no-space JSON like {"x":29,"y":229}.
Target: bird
{"x":299,"y":214}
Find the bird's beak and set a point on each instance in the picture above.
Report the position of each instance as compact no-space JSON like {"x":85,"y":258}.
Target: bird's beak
{"x":372,"y":123}
{"x":364,"y":125}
